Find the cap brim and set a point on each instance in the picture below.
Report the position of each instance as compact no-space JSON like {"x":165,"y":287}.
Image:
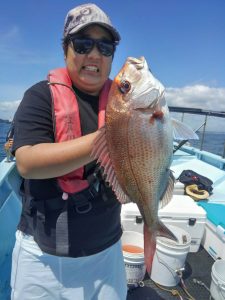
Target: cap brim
{"x":111,"y":29}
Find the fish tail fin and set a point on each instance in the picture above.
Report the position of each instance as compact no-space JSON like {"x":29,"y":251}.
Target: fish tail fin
{"x":149,"y":247}
{"x":162,"y":230}
{"x":150,"y":242}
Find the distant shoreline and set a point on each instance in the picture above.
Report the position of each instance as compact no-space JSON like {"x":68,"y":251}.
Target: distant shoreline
{"x":5,"y":121}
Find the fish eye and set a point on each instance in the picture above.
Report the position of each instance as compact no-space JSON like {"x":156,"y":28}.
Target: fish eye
{"x":125,"y":86}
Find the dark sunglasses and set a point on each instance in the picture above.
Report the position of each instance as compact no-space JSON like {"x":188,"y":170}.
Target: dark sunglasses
{"x":85,"y":45}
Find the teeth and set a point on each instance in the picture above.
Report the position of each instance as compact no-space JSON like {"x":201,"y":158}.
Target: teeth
{"x":91,"y":68}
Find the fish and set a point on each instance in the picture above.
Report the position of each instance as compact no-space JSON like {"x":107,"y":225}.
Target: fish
{"x":135,"y":147}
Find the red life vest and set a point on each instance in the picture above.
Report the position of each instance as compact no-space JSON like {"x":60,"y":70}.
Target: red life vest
{"x":67,"y":121}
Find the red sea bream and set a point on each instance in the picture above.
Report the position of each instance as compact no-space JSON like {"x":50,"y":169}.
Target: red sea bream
{"x":136,"y":146}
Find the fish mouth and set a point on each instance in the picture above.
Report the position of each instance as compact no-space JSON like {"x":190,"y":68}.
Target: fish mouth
{"x":138,"y":62}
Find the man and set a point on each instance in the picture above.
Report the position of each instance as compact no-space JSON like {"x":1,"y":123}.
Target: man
{"x":68,"y":239}
{"x":9,"y":142}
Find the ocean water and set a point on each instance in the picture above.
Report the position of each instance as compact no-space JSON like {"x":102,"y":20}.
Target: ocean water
{"x":213,"y":142}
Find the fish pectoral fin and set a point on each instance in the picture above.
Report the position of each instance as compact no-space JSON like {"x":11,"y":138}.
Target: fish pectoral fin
{"x":101,"y":153}
{"x":168,"y":193}
{"x":162,"y":230}
{"x":182,"y":131}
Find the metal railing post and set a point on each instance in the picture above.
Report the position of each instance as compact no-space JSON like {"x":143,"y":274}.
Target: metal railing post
{"x":203,"y":132}
{"x":223,"y":156}
{"x":182,"y":117}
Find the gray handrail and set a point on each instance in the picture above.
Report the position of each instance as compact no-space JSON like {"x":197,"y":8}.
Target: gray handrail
{"x":197,"y":111}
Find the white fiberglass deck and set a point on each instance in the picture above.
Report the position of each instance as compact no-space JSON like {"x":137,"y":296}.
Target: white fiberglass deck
{"x":206,"y":164}
{"x":202,"y":162}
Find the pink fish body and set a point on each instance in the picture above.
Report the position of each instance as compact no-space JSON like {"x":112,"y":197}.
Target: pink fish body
{"x":136,"y":147}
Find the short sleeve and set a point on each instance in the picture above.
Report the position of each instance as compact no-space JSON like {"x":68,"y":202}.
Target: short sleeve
{"x":33,"y":119}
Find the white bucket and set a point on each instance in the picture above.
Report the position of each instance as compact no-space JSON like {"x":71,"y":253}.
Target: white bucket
{"x":170,"y":257}
{"x":134,"y":262}
{"x":217,"y":287}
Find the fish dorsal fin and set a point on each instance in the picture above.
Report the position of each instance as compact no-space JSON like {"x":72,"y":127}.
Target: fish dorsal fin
{"x":168,"y":194}
{"x":101,"y":153}
{"x":182,"y":131}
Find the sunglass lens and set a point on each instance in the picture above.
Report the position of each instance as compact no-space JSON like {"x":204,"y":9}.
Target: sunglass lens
{"x":106,"y":48}
{"x":83,"y":46}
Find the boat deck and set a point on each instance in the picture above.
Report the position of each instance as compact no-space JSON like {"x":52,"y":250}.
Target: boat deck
{"x":197,"y":274}
{"x":197,"y":268}
{"x":198,"y":265}
{"x":204,"y":163}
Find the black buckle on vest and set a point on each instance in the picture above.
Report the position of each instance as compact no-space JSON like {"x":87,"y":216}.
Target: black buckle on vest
{"x":83,"y":208}
{"x":82,"y":201}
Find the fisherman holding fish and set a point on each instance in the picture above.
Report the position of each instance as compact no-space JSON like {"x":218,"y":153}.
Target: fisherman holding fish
{"x":68,"y":239}
{"x":84,"y":145}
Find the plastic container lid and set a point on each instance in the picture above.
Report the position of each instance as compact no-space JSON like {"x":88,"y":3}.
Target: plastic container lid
{"x":130,"y":209}
{"x":215,"y":212}
{"x":182,"y":206}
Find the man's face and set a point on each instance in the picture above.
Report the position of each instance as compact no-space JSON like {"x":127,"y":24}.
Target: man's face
{"x":89,"y":71}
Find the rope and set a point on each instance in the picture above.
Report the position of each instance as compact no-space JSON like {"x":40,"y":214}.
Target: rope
{"x":172,"y":291}
{"x":196,"y":193}
{"x":185,"y":289}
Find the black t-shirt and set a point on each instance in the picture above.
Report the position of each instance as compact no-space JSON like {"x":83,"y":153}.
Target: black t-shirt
{"x":87,"y":233}
{"x":34,"y":125}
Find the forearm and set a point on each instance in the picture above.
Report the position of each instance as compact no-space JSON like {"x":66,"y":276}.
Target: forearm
{"x":50,"y":160}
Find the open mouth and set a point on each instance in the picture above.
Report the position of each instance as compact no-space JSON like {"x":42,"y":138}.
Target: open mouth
{"x":91,"y":68}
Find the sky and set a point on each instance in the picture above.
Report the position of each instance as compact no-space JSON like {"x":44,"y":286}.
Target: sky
{"x":183,"y":42}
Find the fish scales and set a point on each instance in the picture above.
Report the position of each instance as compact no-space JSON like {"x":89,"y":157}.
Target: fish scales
{"x":138,"y":154}
{"x":138,"y":135}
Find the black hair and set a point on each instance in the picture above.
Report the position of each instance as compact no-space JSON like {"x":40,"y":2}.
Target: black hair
{"x":65,"y":44}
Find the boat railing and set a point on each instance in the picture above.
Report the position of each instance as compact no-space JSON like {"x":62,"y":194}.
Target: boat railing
{"x":207,"y":114}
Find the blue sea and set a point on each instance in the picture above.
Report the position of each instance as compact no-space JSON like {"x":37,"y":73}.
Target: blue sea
{"x":213,"y":142}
